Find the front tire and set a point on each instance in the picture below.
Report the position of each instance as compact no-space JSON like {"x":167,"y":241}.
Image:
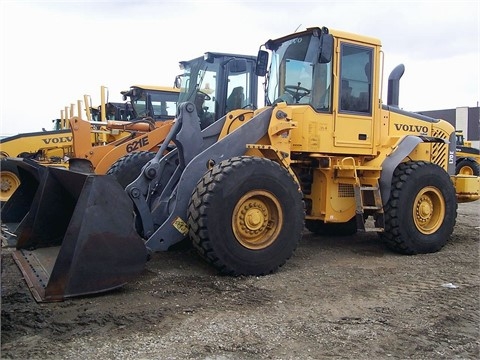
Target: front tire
{"x":246,"y":216}
{"x":421,"y":212}
{"x":128,"y":167}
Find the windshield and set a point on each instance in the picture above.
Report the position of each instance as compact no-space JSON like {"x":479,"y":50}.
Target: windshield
{"x":154,"y":103}
{"x":198,"y":85}
{"x":198,"y":76}
{"x":296,"y":76}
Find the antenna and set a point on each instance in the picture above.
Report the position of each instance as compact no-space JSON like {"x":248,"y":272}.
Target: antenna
{"x":297,"y":28}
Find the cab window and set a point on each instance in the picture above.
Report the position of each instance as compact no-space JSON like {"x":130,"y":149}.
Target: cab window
{"x":355,"y":79}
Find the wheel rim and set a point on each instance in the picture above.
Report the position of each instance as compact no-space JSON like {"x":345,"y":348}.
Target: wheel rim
{"x":9,"y":183}
{"x":257,"y":220}
{"x":429,"y":210}
{"x":466,"y":170}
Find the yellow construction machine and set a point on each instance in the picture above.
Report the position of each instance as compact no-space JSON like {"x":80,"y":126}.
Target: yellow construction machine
{"x":324,"y":153}
{"x":110,"y":122}
{"x":468,"y":157}
{"x":48,"y":147}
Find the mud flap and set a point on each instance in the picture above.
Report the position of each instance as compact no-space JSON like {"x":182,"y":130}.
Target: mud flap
{"x":78,"y":237}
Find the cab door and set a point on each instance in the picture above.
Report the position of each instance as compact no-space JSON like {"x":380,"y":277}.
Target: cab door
{"x":353,"y":123}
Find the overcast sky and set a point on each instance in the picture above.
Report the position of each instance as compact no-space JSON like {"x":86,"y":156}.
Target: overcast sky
{"x":54,"y":52}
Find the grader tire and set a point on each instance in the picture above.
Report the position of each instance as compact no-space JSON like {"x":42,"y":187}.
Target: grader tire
{"x":128,"y":167}
{"x":246,"y":216}
{"x":467,"y":167}
{"x":318,"y":227}
{"x":9,"y":180}
{"x":421,"y":212}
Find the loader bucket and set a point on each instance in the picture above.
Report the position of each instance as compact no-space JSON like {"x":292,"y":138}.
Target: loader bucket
{"x":78,"y":237}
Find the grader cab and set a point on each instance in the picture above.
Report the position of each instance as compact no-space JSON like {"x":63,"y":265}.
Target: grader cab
{"x":325,"y":153}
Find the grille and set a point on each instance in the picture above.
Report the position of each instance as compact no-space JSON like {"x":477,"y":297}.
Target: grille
{"x":440,"y":150}
{"x":345,"y":190}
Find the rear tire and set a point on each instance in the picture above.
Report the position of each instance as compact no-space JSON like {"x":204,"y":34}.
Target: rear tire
{"x":9,"y":180}
{"x":246,"y":216}
{"x":467,"y":167}
{"x":128,"y":167}
{"x":421,"y":212}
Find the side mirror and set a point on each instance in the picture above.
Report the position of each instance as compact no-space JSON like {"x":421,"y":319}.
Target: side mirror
{"x":326,"y":49}
{"x":262,"y":63}
{"x":178,"y":82}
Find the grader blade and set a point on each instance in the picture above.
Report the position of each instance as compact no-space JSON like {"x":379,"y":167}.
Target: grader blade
{"x":78,"y":237}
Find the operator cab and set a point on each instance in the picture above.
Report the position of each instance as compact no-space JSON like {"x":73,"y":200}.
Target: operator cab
{"x":218,"y":83}
{"x":335,"y":89}
{"x":156,"y":102}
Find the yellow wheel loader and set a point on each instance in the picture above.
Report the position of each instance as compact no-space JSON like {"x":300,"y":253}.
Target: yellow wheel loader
{"x":325,"y":154}
{"x":468,"y":157}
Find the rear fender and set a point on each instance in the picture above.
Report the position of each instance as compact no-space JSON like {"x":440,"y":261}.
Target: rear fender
{"x":404,"y":148}
{"x":389,"y":165}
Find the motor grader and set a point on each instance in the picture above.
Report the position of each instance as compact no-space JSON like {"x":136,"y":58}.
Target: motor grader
{"x":325,"y":153}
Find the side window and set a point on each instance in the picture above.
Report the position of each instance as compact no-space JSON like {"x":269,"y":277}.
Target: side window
{"x":205,"y":98}
{"x":236,"y":89}
{"x":164,"y":104}
{"x":322,"y":90}
{"x":356,"y":79}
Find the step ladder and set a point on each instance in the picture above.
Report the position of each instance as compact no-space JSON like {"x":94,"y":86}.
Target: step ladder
{"x":363,"y":193}
{"x":367,"y":197}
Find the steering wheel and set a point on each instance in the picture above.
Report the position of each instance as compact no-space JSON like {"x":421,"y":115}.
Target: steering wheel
{"x":205,"y":95}
{"x":297,"y":91}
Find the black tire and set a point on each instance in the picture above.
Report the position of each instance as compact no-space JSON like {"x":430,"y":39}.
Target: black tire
{"x":128,"y":167}
{"x":246,"y":216}
{"x":421,"y":212}
{"x":318,"y":227}
{"x":9,"y":180}
{"x":467,"y":167}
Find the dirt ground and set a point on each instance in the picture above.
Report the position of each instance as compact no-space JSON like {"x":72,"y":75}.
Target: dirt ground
{"x":344,"y":297}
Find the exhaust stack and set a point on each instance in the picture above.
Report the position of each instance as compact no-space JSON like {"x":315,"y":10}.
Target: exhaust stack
{"x":394,"y":85}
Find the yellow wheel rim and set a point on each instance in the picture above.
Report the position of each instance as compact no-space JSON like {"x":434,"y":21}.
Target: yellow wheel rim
{"x":466,"y":170}
{"x":429,"y":210}
{"x":257,"y":220}
{"x":9,"y":183}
